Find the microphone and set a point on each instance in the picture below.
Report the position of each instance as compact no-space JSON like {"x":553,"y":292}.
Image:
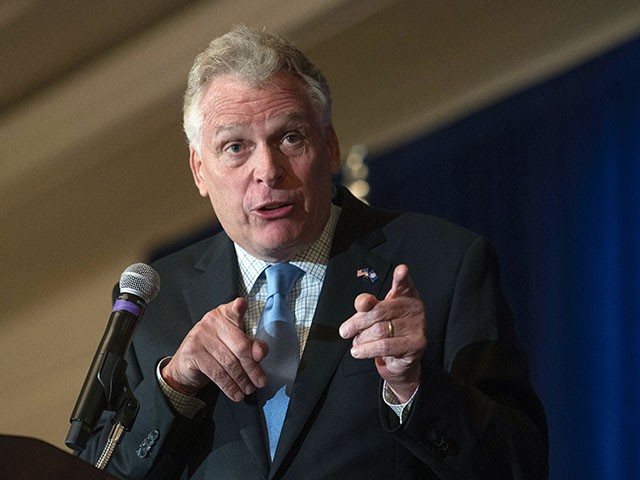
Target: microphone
{"x":106,"y":383}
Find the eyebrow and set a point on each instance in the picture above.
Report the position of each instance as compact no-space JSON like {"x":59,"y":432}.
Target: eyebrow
{"x":295,"y":118}
{"x":226,"y":128}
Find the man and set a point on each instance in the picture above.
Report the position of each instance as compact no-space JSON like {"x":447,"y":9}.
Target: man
{"x":408,"y":364}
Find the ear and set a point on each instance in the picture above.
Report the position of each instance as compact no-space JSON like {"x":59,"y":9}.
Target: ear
{"x":195,"y":162}
{"x":334,"y":149}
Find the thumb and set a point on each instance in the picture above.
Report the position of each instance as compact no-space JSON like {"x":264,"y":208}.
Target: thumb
{"x":259,"y":350}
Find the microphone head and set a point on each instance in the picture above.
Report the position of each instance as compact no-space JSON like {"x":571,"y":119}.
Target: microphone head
{"x":141,"y":280}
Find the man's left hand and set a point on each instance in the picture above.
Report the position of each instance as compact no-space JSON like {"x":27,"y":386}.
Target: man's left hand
{"x":392,"y":331}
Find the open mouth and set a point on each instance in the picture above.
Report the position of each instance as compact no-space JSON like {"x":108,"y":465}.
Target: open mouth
{"x":277,"y":206}
{"x":275,"y":211}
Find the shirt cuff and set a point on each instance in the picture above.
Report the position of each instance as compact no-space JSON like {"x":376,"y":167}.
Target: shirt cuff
{"x":185,"y":405}
{"x":400,"y":409}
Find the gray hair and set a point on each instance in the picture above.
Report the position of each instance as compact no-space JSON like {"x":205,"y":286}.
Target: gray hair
{"x":254,"y":57}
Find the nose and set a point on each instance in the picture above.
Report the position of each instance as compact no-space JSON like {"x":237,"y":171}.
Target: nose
{"x":270,"y":165}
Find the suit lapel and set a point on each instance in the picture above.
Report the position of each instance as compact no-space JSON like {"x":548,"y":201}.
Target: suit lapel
{"x":217,"y":283}
{"x":216,"y":279}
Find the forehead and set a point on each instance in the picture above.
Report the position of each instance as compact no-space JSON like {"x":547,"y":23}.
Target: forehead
{"x":231,"y":101}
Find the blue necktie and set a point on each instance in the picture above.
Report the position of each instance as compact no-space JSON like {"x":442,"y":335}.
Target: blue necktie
{"x":280,"y":365}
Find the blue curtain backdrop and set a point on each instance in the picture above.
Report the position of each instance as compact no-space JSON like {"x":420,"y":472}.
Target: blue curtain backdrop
{"x":552,"y":176}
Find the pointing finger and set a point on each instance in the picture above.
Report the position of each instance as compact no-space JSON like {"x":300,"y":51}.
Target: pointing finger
{"x":402,"y":284}
{"x":234,"y":311}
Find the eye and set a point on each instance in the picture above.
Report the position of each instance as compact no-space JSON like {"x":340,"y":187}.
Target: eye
{"x":292,"y":138}
{"x":233,"y":148}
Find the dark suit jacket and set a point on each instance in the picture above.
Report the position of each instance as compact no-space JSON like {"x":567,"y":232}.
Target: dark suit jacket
{"x":475,"y":416}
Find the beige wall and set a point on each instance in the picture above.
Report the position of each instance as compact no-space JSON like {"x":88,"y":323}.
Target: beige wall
{"x":94,"y":169}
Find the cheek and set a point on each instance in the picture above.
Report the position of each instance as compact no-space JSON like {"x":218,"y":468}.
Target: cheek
{"x":319,"y":178}
{"x":228,"y":197}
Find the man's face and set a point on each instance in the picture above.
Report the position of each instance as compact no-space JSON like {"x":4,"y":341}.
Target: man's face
{"x":266,"y":162}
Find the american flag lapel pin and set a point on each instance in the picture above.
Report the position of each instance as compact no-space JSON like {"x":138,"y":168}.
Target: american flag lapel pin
{"x":369,"y":273}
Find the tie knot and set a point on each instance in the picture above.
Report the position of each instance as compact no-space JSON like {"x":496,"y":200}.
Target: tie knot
{"x":281,"y":277}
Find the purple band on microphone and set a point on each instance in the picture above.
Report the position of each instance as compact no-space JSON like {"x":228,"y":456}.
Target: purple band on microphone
{"x":127,"y":306}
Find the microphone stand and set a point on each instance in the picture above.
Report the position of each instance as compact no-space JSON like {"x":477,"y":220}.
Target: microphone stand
{"x":122,"y":422}
{"x":120,"y":399}
{"x":113,"y":379}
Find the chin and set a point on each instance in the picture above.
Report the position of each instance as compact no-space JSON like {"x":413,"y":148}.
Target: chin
{"x":283,"y":249}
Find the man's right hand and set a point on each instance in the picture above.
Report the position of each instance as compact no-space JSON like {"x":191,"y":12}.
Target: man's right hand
{"x":218,"y":350}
